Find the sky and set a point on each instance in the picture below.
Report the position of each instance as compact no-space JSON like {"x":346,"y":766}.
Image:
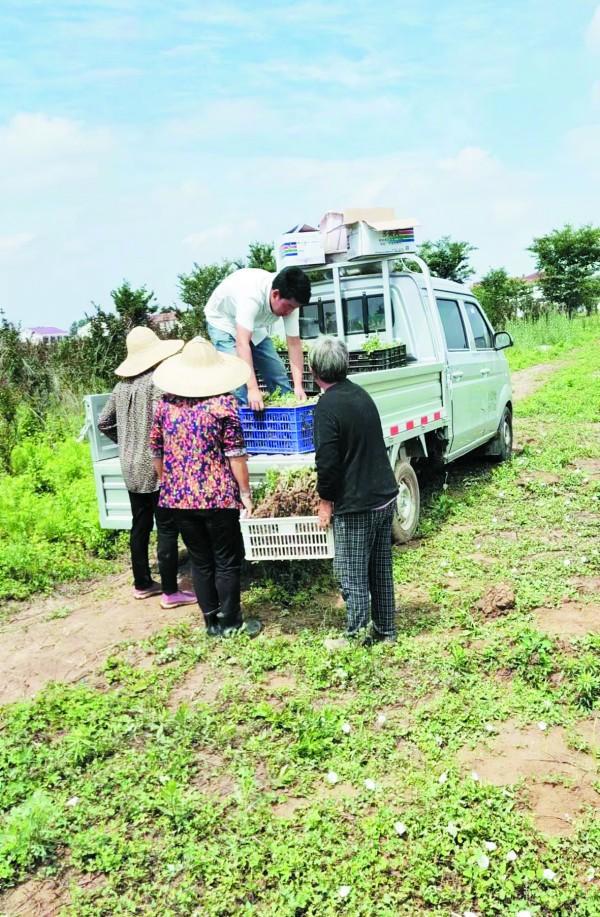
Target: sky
{"x":137,"y":138}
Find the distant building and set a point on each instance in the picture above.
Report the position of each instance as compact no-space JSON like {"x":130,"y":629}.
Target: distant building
{"x":163,"y":321}
{"x":533,"y":278}
{"x":43,"y":334}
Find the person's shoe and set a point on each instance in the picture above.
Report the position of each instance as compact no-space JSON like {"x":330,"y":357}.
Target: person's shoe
{"x":213,"y":625}
{"x":251,"y":627}
{"x":175,"y":599}
{"x":153,"y":589}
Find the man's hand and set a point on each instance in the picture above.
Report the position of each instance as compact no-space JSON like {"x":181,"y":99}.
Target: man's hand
{"x":246,"y":499}
{"x":300,"y":394}
{"x":255,"y":398}
{"x":325,"y":513}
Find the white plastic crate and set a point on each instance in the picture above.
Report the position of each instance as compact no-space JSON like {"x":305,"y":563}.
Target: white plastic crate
{"x":292,"y":538}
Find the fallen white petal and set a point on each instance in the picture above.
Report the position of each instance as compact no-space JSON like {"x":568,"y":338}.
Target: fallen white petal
{"x":567,"y":562}
{"x":370,"y":784}
{"x":489,"y":845}
{"x":549,"y":874}
{"x":483,"y":861}
{"x":344,"y":891}
{"x":381,"y":719}
{"x":400,"y":828}
{"x":475,"y":776}
{"x":590,"y":874}
{"x":511,"y":856}
{"x":523,"y":913}
{"x":452,"y":829}
{"x":331,"y":777}
{"x":489,"y":727}
{"x":469,"y":914}
{"x":73,"y":801}
{"x":346,"y":728}
{"x":542,"y":726}
{"x":443,"y":777}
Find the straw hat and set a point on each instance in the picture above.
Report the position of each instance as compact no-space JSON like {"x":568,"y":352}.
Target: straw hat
{"x":144,"y":350}
{"x":200,"y":371}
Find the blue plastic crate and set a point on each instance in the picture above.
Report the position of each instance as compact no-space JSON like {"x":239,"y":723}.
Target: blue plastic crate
{"x":277,"y":430}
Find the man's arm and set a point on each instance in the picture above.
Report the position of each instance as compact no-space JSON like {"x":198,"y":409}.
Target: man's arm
{"x":294,"y":345}
{"x":244,"y":351}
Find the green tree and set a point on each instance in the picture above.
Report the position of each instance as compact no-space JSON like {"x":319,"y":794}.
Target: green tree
{"x":569,"y":261}
{"x":262,"y":255}
{"x":133,"y":306}
{"x":504,"y":297}
{"x":448,"y":259}
{"x":195,"y":289}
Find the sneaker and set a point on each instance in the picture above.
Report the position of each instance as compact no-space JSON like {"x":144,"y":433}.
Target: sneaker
{"x":153,"y":589}
{"x":175,"y":599}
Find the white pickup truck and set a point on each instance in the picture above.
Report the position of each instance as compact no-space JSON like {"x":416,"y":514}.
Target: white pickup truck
{"x":453,"y":396}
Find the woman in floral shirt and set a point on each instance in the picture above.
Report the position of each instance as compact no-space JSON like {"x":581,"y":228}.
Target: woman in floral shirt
{"x":200,"y":458}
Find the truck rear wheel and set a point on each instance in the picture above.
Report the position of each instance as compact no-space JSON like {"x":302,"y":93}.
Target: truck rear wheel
{"x":408,"y":503}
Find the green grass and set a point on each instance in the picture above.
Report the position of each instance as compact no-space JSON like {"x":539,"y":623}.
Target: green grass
{"x":144,"y":807}
{"x":49,"y":530}
{"x":549,"y":338}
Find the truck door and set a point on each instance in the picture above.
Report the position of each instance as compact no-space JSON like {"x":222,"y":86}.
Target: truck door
{"x":464,"y":378}
{"x":488,"y":366}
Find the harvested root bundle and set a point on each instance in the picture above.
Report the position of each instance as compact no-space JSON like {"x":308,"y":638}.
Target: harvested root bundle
{"x":292,"y":493}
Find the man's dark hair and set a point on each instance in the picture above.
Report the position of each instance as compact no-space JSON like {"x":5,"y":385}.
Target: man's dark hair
{"x":293,"y":283}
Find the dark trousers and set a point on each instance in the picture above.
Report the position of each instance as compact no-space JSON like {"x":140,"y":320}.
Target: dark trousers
{"x":144,"y":512}
{"x":363,"y":566}
{"x":212,"y":537}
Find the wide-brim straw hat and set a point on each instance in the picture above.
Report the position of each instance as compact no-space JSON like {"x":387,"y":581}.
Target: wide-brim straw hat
{"x":144,"y":350}
{"x":200,"y":370}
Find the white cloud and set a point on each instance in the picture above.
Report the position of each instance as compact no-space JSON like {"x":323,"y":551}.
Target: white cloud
{"x":471,"y":164}
{"x":13,"y":243}
{"x":38,"y":150}
{"x":351,"y":73}
{"x":592,"y":35}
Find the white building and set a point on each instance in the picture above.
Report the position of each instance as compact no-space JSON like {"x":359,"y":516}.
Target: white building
{"x":43,"y":334}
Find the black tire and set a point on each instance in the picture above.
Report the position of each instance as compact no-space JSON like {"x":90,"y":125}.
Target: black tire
{"x":408,"y":503}
{"x":503,"y":441}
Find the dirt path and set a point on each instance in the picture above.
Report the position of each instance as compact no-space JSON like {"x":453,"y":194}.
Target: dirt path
{"x":67,"y":636}
{"x":527,"y":381}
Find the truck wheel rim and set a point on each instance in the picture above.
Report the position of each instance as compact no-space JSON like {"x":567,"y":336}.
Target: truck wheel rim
{"x":404,"y":504}
{"x":507,"y":434}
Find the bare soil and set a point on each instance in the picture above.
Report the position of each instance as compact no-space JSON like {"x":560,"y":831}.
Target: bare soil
{"x":527,"y":381}
{"x":36,"y":648}
{"x":570,"y":619}
{"x":200,"y":684}
{"x":559,"y":782}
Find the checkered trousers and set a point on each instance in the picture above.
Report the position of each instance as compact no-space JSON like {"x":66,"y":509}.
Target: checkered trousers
{"x":363,"y":567}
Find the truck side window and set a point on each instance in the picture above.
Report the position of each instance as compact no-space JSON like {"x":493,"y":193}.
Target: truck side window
{"x":329,"y":317}
{"x":481,"y":332}
{"x":452,"y":323}
{"x":353,"y":315}
{"x":375,"y":313}
{"x":309,"y":321}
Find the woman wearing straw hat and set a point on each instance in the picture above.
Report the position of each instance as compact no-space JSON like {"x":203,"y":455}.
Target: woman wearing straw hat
{"x":200,"y":457}
{"x":127,"y":419}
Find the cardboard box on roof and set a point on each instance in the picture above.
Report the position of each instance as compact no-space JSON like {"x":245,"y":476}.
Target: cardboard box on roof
{"x":302,"y":246}
{"x":362,"y":231}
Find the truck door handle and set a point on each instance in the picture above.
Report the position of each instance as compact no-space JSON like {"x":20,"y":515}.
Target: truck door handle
{"x":457,"y":375}
{"x":484,"y":372}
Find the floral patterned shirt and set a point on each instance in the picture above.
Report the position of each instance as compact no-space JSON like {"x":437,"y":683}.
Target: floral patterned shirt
{"x":195,"y":437}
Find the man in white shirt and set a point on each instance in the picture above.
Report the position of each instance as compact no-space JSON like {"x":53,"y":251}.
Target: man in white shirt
{"x":240,"y":315}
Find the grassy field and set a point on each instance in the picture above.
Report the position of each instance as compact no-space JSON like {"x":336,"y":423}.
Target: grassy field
{"x":288,"y":776}
{"x":548,"y":338}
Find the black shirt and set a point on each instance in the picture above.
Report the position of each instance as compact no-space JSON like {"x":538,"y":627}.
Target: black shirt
{"x":353,"y":468}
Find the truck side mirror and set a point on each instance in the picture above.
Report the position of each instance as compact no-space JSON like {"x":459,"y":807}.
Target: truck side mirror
{"x":502,"y":340}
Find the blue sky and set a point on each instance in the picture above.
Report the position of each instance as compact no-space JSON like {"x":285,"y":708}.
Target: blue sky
{"x":139,"y":137}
